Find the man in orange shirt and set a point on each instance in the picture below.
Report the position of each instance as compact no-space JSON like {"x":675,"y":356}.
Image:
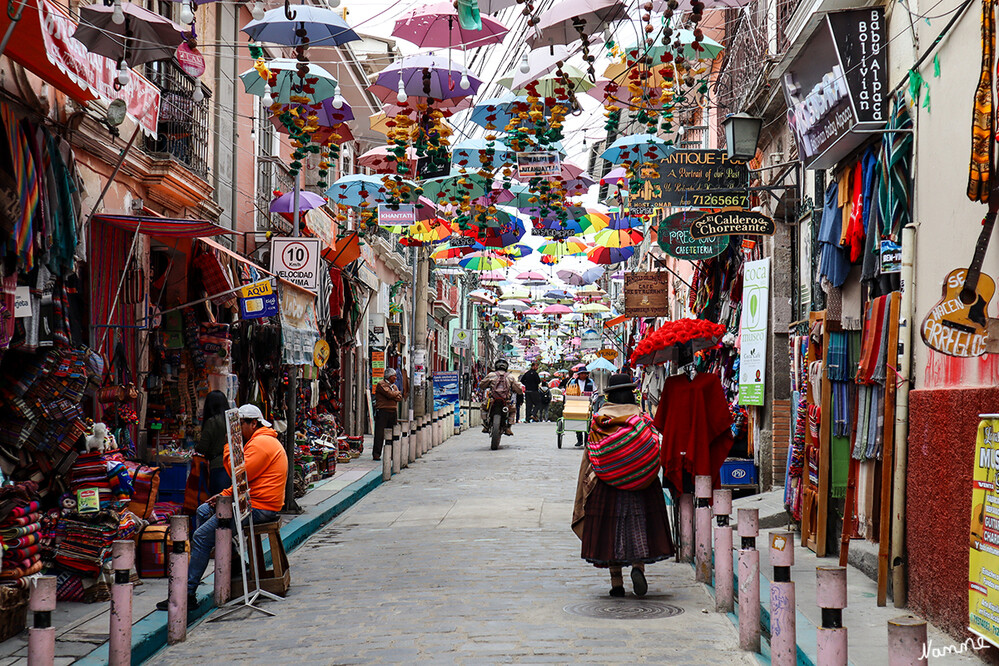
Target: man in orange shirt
{"x":266,"y":465}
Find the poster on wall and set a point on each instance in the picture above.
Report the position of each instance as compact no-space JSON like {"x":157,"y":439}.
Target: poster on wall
{"x":237,"y":463}
{"x":983,"y":559}
{"x":446,"y":393}
{"x":753,"y":331}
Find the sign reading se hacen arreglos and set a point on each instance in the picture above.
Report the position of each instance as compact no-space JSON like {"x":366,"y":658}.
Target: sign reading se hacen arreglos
{"x":732,"y":222}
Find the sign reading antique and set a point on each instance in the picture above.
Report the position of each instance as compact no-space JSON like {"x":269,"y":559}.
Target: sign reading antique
{"x":646,"y":294}
{"x":538,"y":165}
{"x":836,"y":86}
{"x":296,"y":260}
{"x":675,"y":240}
{"x":732,"y":222}
{"x":983,"y":556}
{"x":697,"y":178}
{"x":753,"y":328}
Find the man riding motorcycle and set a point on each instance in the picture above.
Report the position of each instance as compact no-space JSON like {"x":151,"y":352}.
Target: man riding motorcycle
{"x":500,"y":385}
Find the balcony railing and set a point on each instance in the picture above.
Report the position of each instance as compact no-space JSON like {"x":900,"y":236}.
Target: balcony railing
{"x":182,"y":132}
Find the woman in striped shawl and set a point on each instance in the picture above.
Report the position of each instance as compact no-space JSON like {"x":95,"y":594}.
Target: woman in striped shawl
{"x":619,"y":512}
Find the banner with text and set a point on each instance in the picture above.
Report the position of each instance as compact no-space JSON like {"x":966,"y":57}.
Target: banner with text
{"x":983,"y":559}
{"x":753,"y":327}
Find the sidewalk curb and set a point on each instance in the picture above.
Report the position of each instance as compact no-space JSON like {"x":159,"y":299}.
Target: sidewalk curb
{"x":149,"y":633}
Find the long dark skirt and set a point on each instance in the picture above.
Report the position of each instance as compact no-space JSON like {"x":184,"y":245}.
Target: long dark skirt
{"x":622,"y":527}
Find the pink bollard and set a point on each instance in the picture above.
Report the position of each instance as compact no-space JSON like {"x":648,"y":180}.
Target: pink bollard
{"x":702,"y":529}
{"x":391,"y":442}
{"x":400,"y":443}
{"x":120,"y":634}
{"x":223,"y":551}
{"x":724,"y":581}
{"x":41,"y":636}
{"x":749,"y":580}
{"x":783,"y":630}
{"x":686,"y":527}
{"x":177,"y":571}
{"x":830,"y":594}
{"x":907,"y":641}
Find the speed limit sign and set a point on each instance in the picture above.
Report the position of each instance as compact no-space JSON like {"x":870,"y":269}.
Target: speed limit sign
{"x":296,"y":260}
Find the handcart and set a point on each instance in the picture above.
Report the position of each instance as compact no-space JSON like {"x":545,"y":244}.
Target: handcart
{"x":575,"y":417}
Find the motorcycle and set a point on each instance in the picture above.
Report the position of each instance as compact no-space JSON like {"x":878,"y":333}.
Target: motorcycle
{"x":497,"y":413}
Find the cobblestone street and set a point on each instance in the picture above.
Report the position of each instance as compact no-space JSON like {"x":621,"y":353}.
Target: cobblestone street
{"x":467,"y":557}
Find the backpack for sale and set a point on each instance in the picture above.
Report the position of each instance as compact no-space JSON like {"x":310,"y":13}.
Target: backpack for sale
{"x":501,"y":389}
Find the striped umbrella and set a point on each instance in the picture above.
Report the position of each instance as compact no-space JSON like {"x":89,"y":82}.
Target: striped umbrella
{"x":516,"y":251}
{"x":610,"y":255}
{"x":618,"y":238}
{"x":563,"y":248}
{"x":448,"y":251}
{"x":484,"y":261}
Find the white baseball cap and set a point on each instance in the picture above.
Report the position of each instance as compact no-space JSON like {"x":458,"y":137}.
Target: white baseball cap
{"x":253,"y":412}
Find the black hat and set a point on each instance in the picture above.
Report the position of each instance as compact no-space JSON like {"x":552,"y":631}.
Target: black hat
{"x":620,"y":382}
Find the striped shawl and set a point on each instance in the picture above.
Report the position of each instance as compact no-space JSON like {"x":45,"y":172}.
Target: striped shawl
{"x":624,"y":450}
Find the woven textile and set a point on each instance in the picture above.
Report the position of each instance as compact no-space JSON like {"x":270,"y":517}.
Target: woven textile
{"x":624,"y":452}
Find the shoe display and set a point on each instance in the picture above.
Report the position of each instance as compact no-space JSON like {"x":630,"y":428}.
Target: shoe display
{"x":638,"y":582}
{"x":617,"y":591}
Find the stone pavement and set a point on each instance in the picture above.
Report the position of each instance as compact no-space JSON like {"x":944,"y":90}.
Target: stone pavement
{"x":467,"y":558}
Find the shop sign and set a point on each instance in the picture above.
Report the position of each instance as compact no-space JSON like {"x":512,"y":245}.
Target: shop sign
{"x":446,"y":392}
{"x":428,"y":168}
{"x":191,"y":60}
{"x":753,"y":331}
{"x":461,"y":338}
{"x":258,"y":300}
{"x":93,"y":72}
{"x":296,"y":260}
{"x":609,"y":354}
{"x":22,"y":302}
{"x":403,"y":216}
{"x":589,"y":340}
{"x":835,"y":88}
{"x":983,"y":558}
{"x":891,"y":257}
{"x":675,"y":240}
{"x":696,"y":178}
{"x":646,"y":294}
{"x":732,"y":222}
{"x":544,"y":164}
{"x":377,"y":367}
{"x":321,"y":353}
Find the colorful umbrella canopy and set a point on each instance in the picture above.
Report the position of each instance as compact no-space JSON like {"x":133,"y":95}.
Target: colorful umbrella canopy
{"x":601,"y":364}
{"x":492,"y":276}
{"x":529,"y":277}
{"x":516,"y":251}
{"x":498,"y":236}
{"x":433,"y":230}
{"x":516,"y":305}
{"x":381,"y":160}
{"x":142,"y":37}
{"x":456,"y":187}
{"x":570,"y":21}
{"x":449,"y":251}
{"x":618,"y":237}
{"x":471,"y":152}
{"x":357,"y":189}
{"x":518,"y":293}
{"x":322,"y":27}
{"x":483,"y":261}
{"x":625,"y":222}
{"x":638,"y":148}
{"x":557,"y":310}
{"x":610,"y":255}
{"x":552,"y":85}
{"x":563,"y":248}
{"x":498,"y":111}
{"x":445,"y":81}
{"x":540,"y":62}
{"x":570,"y":277}
{"x":483,"y":296}
{"x":689,"y":47}
{"x":437,"y":26}
{"x":558,"y":294}
{"x":616,"y":176}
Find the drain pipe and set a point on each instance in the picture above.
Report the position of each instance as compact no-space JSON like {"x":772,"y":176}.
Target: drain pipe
{"x":898,"y":561}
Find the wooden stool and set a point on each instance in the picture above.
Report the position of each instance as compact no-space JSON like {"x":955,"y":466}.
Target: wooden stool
{"x":277,"y":578}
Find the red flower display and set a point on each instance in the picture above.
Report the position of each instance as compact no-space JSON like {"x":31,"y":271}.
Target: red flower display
{"x":674,"y":333}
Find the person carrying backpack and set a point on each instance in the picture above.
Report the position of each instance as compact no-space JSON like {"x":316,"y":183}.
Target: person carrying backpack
{"x":502,"y":386}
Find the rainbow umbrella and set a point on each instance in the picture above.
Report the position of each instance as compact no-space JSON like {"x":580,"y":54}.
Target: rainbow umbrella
{"x":484,"y":261}
{"x":610,"y":255}
{"x":448,"y":251}
{"x":618,"y":238}
{"x":516,"y":251}
{"x":625,"y":222}
{"x":563,"y":248}
{"x":433,"y":230}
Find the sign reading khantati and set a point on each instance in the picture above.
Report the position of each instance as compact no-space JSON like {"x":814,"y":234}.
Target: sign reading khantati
{"x":646,"y":294}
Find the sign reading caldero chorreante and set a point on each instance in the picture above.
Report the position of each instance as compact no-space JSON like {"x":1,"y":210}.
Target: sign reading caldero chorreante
{"x":732,"y":222}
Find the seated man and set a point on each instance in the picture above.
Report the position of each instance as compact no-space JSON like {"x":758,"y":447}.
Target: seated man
{"x":267,"y":474}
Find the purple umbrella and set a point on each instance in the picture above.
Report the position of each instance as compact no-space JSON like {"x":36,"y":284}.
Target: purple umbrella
{"x":437,"y":25}
{"x":446,"y":79}
{"x":306,"y":201}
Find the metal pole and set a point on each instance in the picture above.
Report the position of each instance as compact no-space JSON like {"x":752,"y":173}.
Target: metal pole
{"x":14,"y":19}
{"x":702,"y":529}
{"x":412,"y":338}
{"x":749,"y":580}
{"x":120,"y":629}
{"x":830,"y":594}
{"x":290,"y":504}
{"x":783,"y":632}
{"x":907,"y":641}
{"x":724,"y":582}
{"x":223,"y":551}
{"x":41,"y":635}
{"x":177,"y":607}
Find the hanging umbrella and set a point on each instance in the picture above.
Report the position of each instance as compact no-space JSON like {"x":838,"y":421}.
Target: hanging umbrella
{"x":516,"y":251}
{"x":483,"y":296}
{"x":436,"y":26}
{"x":689,"y":47}
{"x":499,"y":237}
{"x":601,"y":364}
{"x":558,"y":294}
{"x":557,"y":310}
{"x":570,"y":277}
{"x":515,"y":292}
{"x":306,"y":201}
{"x":378,"y":160}
{"x":434,"y":230}
{"x":592,"y":308}
{"x":483,"y":261}
{"x":357,"y":189}
{"x":470,"y":152}
{"x":563,"y":248}
{"x":516,"y":305}
{"x":540,"y":62}
{"x":552,"y":85}
{"x":449,"y":251}
{"x":492,"y":276}
{"x":571,"y":20}
{"x":616,"y":176}
{"x":618,"y":237}
{"x":532,"y":311}
{"x":446,"y":79}
{"x":590,"y":292}
{"x":610,"y":255}
{"x":638,"y":148}
{"x":142,"y":37}
{"x":318,"y":84}
{"x":498,"y":111}
{"x":322,"y":27}
{"x":593,"y":274}
{"x":532,"y":277}
{"x":456,"y":187}
{"x":625,"y":222}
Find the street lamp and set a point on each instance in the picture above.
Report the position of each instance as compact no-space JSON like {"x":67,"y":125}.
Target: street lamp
{"x":742,"y":132}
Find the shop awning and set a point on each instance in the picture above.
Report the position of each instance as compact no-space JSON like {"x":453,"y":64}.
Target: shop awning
{"x":610,"y":323}
{"x":43,"y":43}
{"x":164,"y":226}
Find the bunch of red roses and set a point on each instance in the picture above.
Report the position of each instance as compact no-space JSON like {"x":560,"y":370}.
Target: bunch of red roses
{"x":675,"y":333}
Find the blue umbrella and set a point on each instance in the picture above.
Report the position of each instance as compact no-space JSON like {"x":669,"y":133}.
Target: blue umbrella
{"x":558,"y":294}
{"x":601,"y":364}
{"x":468,"y":154}
{"x":323,"y":27}
{"x":619,"y":223}
{"x":356,"y":189}
{"x":638,"y":148}
{"x":498,"y":110}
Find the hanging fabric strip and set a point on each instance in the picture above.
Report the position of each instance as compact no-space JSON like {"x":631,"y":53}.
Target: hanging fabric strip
{"x":983,"y":118}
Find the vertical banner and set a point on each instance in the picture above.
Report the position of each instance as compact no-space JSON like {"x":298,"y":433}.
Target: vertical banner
{"x":753,"y":331}
{"x":446,"y":392}
{"x":377,"y":368}
{"x":983,"y":559}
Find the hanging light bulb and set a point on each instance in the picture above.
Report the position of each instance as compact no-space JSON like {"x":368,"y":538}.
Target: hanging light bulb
{"x":267,"y":99}
{"x":401,"y":97}
{"x":525,"y":65}
{"x":124,"y":76}
{"x":465,"y":83}
{"x":337,"y":102}
{"x":258,"y":10}
{"x":186,"y":14}
{"x":117,"y":15}
{"x":199,"y":96}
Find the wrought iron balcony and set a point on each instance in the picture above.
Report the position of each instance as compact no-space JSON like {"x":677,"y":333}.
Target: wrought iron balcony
{"x":183,"y":129}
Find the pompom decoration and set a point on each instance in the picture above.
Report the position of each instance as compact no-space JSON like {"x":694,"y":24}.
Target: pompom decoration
{"x":674,"y":333}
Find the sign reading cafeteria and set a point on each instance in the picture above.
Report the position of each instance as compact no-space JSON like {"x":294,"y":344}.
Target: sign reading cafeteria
{"x":296,"y":260}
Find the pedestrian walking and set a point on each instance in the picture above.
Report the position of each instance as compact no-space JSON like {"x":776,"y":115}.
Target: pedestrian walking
{"x":387,"y":396}
{"x":619,"y":512}
{"x":532,"y":395}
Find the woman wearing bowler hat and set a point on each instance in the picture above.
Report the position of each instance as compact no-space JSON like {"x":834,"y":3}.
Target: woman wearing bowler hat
{"x":619,"y":513}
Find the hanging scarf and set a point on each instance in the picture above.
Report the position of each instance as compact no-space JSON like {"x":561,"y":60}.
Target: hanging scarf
{"x":982,"y":122}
